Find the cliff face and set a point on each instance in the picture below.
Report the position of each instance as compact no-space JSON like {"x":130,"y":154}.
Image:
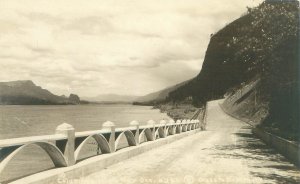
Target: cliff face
{"x":262,"y":45}
{"x":27,"y":93}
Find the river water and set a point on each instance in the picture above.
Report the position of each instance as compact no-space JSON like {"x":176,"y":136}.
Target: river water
{"x":20,"y":121}
{"x":29,"y":120}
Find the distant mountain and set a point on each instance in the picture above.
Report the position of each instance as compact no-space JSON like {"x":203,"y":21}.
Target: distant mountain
{"x":158,"y":96}
{"x":111,"y":98}
{"x":27,"y":93}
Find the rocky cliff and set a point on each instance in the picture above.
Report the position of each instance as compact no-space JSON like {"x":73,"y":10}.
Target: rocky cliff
{"x":262,"y":45}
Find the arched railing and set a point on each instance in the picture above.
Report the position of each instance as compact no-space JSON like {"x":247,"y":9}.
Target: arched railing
{"x":53,"y":152}
{"x":65,"y":146}
{"x":101,"y":142}
{"x":129,"y":137}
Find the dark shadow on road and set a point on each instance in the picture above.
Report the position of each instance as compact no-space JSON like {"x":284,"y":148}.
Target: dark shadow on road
{"x":259,"y":156}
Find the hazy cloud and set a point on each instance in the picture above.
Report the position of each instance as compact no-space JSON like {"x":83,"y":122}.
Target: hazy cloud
{"x":112,"y":46}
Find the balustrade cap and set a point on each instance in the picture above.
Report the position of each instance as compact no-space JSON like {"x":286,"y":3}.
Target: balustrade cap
{"x":178,"y":121}
{"x":171,"y":121}
{"x":163,"y":122}
{"x":27,"y":140}
{"x":123,"y":129}
{"x":91,"y":132}
{"x":151,"y":122}
{"x":145,"y":126}
{"x":108,"y":124}
{"x":134,"y":123}
{"x":64,"y":126}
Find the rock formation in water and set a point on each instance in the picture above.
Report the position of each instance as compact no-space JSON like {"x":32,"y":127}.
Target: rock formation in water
{"x":74,"y":99}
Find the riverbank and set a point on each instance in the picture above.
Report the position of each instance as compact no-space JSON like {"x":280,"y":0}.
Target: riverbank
{"x":178,"y":111}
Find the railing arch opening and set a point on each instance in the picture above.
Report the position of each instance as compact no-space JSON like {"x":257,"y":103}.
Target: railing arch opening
{"x":125,"y":139}
{"x":160,"y":132}
{"x":48,"y":156}
{"x":171,"y":130}
{"x":184,"y":128}
{"x":145,"y":135}
{"x":178,"y":129}
{"x":167,"y":131}
{"x":92,"y":145}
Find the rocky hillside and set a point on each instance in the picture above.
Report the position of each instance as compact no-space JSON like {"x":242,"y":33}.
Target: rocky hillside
{"x":262,"y":45}
{"x":27,"y":93}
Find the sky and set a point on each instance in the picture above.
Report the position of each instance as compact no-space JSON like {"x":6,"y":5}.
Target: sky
{"x":92,"y":47}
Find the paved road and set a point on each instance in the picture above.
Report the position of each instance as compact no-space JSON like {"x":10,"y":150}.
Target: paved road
{"x":225,"y":153}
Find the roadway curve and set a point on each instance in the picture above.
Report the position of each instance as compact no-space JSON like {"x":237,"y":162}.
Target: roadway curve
{"x":226,"y":152}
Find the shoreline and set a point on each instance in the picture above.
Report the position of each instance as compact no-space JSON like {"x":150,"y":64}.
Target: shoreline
{"x":181,"y":111}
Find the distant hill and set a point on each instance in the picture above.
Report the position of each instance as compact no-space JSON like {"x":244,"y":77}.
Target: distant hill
{"x":158,"y":96}
{"x":112,"y":98}
{"x":25,"y":92}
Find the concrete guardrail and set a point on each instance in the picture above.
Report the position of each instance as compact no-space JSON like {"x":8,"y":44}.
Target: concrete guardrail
{"x":65,"y":146}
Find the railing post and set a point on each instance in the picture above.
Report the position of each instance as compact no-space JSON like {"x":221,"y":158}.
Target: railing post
{"x":164,"y":123}
{"x":184,"y":126}
{"x":178,"y":122}
{"x":197,"y":124}
{"x":193,"y":124}
{"x":188,"y":127}
{"x":171,"y":121}
{"x":152,"y":123}
{"x":137,"y":133}
{"x":108,"y":125}
{"x":69,"y":131}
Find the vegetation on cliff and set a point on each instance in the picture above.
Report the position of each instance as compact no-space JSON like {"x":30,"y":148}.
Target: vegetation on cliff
{"x":263,"y":44}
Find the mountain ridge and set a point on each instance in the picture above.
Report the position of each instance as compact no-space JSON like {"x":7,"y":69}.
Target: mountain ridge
{"x":158,"y":96}
{"x":110,"y":97}
{"x":25,"y":92}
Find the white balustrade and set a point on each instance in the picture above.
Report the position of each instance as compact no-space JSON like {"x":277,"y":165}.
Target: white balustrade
{"x":67,"y":143}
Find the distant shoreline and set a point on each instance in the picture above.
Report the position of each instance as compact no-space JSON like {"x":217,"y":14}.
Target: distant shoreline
{"x":67,"y":104}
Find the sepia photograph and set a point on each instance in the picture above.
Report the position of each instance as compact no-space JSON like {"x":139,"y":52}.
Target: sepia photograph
{"x":149,"y":92}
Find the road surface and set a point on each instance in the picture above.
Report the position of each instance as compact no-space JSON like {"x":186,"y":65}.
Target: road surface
{"x":226,"y":152}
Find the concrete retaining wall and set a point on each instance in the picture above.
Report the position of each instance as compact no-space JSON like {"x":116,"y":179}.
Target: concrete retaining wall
{"x":94,"y":164}
{"x":287,"y":148}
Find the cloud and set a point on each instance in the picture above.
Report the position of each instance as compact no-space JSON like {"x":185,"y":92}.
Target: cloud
{"x":112,"y":46}
{"x":92,"y":25}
